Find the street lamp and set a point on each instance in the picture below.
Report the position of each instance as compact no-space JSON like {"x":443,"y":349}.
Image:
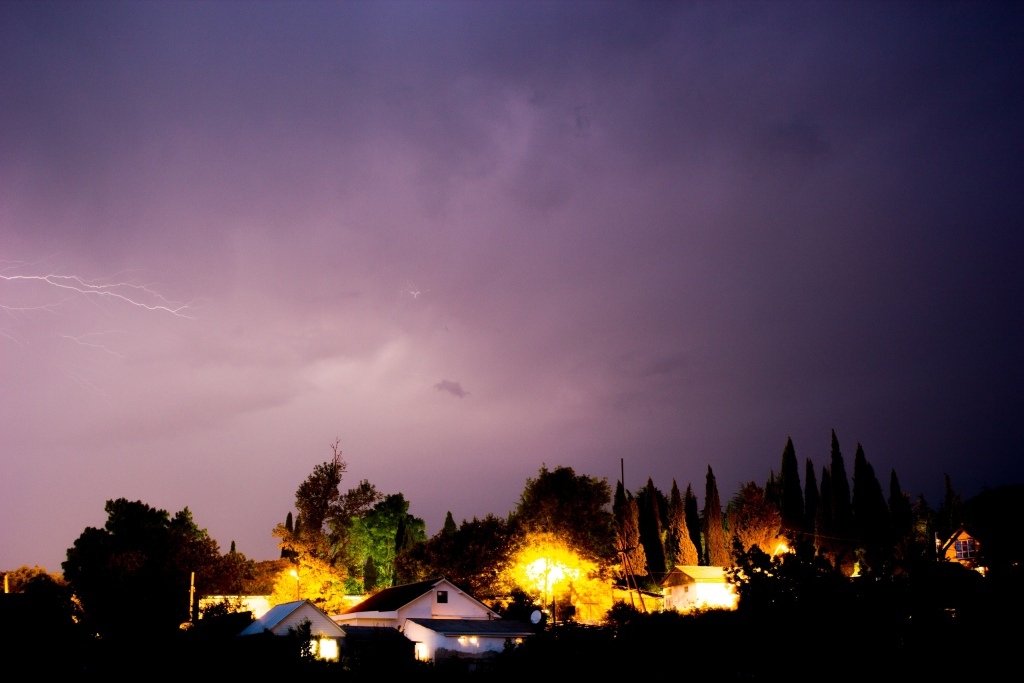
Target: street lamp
{"x":296,"y":575}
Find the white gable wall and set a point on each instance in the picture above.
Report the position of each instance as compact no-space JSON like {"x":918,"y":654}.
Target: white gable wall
{"x":319,"y":622}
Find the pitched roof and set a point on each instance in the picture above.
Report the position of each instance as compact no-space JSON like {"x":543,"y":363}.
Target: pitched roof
{"x":697,"y":573}
{"x":475,"y":627}
{"x":278,"y":613}
{"x":390,"y":599}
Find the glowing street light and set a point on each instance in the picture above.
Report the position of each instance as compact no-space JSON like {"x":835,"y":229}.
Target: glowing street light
{"x":296,"y":575}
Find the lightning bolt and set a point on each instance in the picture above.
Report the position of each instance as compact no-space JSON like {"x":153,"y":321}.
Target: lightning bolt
{"x":30,"y":290}
{"x":95,"y":290}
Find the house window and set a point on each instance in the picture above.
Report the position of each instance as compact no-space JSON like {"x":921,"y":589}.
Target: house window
{"x":966,"y":549}
{"x":442,"y":596}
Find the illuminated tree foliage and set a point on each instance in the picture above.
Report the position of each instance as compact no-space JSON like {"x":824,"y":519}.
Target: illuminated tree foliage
{"x":714,"y":530}
{"x":627,"y":531}
{"x":381,"y":533}
{"x":572,"y":507}
{"x":313,"y":579}
{"x":679,"y":547}
{"x":555,"y":574}
{"x":754,"y":520}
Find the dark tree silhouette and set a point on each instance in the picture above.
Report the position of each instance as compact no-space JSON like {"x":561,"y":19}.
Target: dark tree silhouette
{"x":714,"y":529}
{"x":650,"y":529}
{"x":693,"y":523}
{"x":870,"y":516}
{"x":791,"y":497}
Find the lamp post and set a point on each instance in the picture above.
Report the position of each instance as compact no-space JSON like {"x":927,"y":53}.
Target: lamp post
{"x":296,"y":575}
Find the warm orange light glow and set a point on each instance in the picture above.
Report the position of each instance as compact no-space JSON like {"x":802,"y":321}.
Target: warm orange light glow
{"x":550,"y":570}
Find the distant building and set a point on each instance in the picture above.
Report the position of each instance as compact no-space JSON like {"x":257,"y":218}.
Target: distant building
{"x":688,"y":587}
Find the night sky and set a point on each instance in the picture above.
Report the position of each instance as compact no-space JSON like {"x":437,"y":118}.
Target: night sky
{"x":471,"y":238}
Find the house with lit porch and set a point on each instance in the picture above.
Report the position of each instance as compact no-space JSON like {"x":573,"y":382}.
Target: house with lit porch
{"x":283,"y":619}
{"x":441,"y":619}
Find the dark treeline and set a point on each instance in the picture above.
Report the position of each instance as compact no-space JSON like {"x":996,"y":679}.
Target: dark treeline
{"x":834,"y":573}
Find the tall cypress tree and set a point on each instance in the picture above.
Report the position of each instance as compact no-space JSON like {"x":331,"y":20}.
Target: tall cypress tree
{"x":842,"y":510}
{"x":947,"y":519}
{"x":824,"y":529}
{"x":679,"y":547}
{"x":714,"y":530}
{"x":693,"y":523}
{"x":650,"y":529}
{"x":449,"y":527}
{"x":811,"y":501}
{"x":901,"y":521}
{"x":627,"y":532}
{"x":791,"y":498}
{"x":870,"y":514}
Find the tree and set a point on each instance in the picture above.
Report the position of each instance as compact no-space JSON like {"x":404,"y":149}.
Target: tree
{"x":474,"y":557}
{"x":791,"y":498}
{"x":381,"y":533}
{"x":948,"y":517}
{"x":842,"y":510}
{"x":811,"y":501}
{"x":824,"y":529}
{"x":140,"y":562}
{"x":714,"y":529}
{"x":901,"y":522}
{"x":649,"y":523}
{"x":449,"y":525}
{"x":17,"y":579}
{"x":627,"y":532}
{"x":870,"y":515}
{"x":754,"y":520}
{"x":573,"y":507}
{"x":693,"y":523}
{"x":679,"y":547}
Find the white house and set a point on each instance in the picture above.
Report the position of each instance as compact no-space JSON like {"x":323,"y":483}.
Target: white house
{"x":281,"y":619}
{"x":438,"y":617}
{"x":689,"y":587}
{"x":432,"y":599}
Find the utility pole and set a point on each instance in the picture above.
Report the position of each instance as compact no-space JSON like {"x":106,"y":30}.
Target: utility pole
{"x":191,"y":596}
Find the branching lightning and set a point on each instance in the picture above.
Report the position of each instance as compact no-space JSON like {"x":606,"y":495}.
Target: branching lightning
{"x":94,"y":290}
{"x":27,"y":295}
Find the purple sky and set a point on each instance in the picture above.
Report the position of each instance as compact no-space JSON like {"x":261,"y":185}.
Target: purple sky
{"x":469,"y":238}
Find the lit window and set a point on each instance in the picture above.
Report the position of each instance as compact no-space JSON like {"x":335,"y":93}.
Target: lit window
{"x":442,"y":596}
{"x":966,"y":549}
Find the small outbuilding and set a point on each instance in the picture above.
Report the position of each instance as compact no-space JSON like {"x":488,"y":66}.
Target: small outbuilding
{"x":283,"y":619}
